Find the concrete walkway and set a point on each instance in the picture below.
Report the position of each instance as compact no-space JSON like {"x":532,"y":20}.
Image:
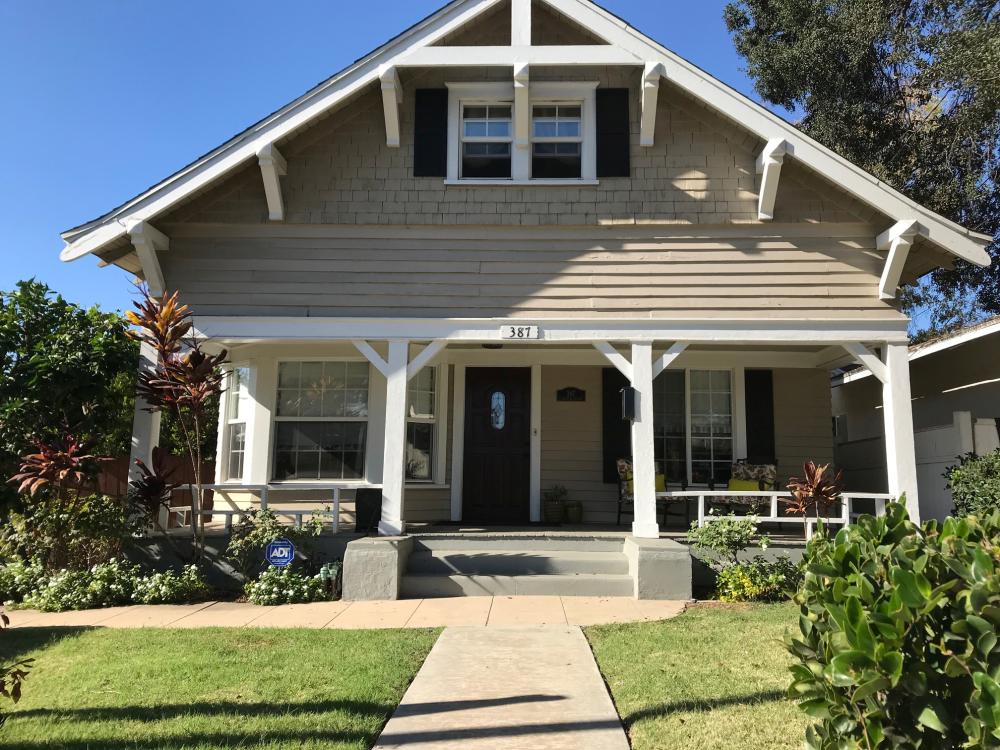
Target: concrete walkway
{"x":507,"y":688}
{"x":405,"y":613}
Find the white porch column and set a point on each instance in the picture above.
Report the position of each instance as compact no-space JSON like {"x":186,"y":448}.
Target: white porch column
{"x":391,"y":523}
{"x":145,"y":424}
{"x":901,"y":463}
{"x":643,"y":467}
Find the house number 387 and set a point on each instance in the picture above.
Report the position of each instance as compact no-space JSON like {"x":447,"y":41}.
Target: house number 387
{"x":519,"y":332}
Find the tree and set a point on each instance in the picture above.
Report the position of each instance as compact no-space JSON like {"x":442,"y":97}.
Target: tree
{"x":63,"y":369}
{"x":910,"y":91}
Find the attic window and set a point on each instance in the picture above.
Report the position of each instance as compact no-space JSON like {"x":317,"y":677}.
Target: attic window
{"x":557,"y":141}
{"x":486,"y":140}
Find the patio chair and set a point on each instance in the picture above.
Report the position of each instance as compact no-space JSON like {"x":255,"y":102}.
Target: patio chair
{"x":747,"y":477}
{"x":625,"y":489}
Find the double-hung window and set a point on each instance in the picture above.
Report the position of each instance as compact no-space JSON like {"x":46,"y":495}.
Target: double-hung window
{"x":321,"y":420}
{"x":693,"y":425}
{"x":421,"y":420}
{"x":237,"y":405}
{"x":556,"y":141}
{"x":486,"y":140}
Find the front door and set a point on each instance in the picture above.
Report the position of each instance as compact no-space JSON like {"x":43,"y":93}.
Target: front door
{"x":497,"y":466}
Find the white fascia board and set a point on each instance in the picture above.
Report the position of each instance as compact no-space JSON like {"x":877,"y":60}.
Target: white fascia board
{"x":234,"y":329}
{"x":651,"y":75}
{"x":769,"y":168}
{"x":237,"y":151}
{"x":755,"y":118}
{"x":507,"y":57}
{"x":272,"y":168}
{"x":392,"y":97}
{"x":956,"y":340}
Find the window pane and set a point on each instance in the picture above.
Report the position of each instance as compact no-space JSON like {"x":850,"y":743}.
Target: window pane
{"x":486,"y":166}
{"x":475,"y":112}
{"x":320,"y":450}
{"x":555,"y":167}
{"x":312,"y":375}
{"x":357,"y":374}
{"x":569,"y":112}
{"x":568,"y":129}
{"x":499,"y":112}
{"x":475,"y":128}
{"x":700,"y":380}
{"x":333,"y":404}
{"x":311,"y":402}
{"x":498,"y":129}
{"x":545,"y":128}
{"x":419,"y":450}
{"x":356,"y":403}
{"x":288,"y":374}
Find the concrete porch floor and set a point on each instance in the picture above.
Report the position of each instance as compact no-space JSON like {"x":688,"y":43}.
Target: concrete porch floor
{"x":498,"y":611}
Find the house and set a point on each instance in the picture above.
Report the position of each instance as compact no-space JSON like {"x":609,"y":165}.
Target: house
{"x":955,"y":387}
{"x":436,"y":271}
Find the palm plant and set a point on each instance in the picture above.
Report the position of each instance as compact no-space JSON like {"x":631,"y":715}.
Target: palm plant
{"x":818,"y":490}
{"x":183,"y":381}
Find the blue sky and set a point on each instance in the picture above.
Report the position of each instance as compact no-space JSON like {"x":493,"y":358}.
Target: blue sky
{"x":102,"y":99}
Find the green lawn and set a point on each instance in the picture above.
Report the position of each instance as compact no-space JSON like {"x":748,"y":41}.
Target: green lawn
{"x":709,"y":679}
{"x":212,"y":688}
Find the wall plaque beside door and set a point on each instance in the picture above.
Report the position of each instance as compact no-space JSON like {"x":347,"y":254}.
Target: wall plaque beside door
{"x":571,"y":394}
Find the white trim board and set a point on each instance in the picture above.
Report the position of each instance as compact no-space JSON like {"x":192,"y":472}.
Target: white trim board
{"x":622,"y":38}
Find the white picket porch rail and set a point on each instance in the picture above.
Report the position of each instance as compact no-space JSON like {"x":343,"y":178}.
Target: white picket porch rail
{"x":771,"y":498}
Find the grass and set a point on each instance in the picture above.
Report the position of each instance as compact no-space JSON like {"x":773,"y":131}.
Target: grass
{"x":211,"y":688}
{"x":709,"y":679}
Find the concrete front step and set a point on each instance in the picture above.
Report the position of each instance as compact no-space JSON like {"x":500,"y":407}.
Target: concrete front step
{"x":581,"y":584}
{"x":515,"y":563}
{"x":499,"y":541}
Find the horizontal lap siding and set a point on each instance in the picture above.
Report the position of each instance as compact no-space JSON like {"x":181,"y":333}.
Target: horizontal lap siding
{"x":803,"y":414}
{"x":457,"y":273}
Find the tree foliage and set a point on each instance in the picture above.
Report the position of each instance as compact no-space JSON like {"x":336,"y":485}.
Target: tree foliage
{"x":907,"y":89}
{"x":63,"y":369}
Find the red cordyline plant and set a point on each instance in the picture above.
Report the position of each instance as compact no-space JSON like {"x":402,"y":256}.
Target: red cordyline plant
{"x":183,"y":380}
{"x":818,"y":491}
{"x":63,"y":465}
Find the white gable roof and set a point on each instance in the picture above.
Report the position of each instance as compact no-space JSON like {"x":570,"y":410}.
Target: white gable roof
{"x":628,"y":47}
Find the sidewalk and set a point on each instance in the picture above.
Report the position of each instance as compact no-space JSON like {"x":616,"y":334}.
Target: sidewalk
{"x":507,"y":688}
{"x":405,"y":613}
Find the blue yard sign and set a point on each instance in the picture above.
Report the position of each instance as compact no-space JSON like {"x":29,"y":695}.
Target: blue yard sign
{"x":280,"y":553}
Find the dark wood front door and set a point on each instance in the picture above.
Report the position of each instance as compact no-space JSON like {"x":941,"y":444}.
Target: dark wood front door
{"x":497,"y":466}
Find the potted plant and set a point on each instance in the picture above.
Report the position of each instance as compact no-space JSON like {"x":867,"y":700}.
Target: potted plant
{"x":574,"y":511}
{"x":553,"y":503}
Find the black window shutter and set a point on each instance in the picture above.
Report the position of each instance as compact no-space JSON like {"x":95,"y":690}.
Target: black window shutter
{"x":616,"y":433}
{"x":612,"y":133}
{"x":760,"y":416}
{"x":430,"y":133}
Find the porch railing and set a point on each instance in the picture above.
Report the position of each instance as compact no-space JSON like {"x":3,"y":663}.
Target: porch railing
{"x":771,"y":498}
{"x":264,"y":491}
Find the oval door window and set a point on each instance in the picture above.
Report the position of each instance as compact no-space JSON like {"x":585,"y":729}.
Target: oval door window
{"x":498,"y":410}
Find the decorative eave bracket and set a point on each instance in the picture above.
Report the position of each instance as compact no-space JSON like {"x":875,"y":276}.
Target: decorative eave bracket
{"x":897,"y":239}
{"x":869,"y":360}
{"x":769,"y":168}
{"x":624,"y":366}
{"x":147,"y":241}
{"x":392,"y":97}
{"x":651,"y":75}
{"x":272,"y":168}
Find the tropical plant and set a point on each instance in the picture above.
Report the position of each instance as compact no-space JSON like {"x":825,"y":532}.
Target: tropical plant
{"x":897,"y":643}
{"x":758,"y":580}
{"x":816,"y":493}
{"x":64,"y":465}
{"x":184,"y":380}
{"x":975,"y":484}
{"x":725,"y":537}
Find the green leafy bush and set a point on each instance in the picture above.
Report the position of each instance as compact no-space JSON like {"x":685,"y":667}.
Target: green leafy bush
{"x":286,"y":586}
{"x":758,"y":580}
{"x":18,"y":579}
{"x":975,"y":484}
{"x":112,"y":584}
{"x":725,"y":537}
{"x":259,"y":528}
{"x":898,"y":639}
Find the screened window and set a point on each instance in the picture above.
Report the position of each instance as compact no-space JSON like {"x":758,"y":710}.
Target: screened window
{"x":693,"y":432}
{"x":556,"y":141}
{"x":421,"y":423}
{"x":236,"y":406}
{"x":486,"y":140}
{"x":321,"y":421}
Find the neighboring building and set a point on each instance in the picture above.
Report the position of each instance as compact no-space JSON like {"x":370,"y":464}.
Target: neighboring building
{"x":955,"y":385}
{"x":436,"y":270}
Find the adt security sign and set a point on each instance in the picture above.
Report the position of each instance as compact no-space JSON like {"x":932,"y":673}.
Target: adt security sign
{"x":280,"y":553}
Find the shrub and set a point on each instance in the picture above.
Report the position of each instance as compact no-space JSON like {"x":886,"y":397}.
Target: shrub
{"x":898,"y":634}
{"x":286,"y":586}
{"x":170,"y":587}
{"x":18,"y":579}
{"x":259,"y":528}
{"x":725,"y":537}
{"x":758,"y":580}
{"x":975,"y":484}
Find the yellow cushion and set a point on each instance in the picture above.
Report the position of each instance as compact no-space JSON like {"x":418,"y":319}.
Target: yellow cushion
{"x":661,"y":484}
{"x":744,"y":485}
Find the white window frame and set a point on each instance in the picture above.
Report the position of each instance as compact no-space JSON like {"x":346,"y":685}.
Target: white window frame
{"x":463,"y":138}
{"x":544,"y":92}
{"x":432,"y":420}
{"x":275,"y":419}
{"x":229,"y":421}
{"x":533,"y":139}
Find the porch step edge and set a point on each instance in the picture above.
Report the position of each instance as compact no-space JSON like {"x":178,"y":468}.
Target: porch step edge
{"x":515,"y":562}
{"x":581,"y":584}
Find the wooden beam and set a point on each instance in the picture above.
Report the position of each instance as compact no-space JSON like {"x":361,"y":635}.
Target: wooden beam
{"x":522,"y":105}
{"x":663,"y":362}
{"x":423,"y":359}
{"x":897,"y":239}
{"x":392,"y":97}
{"x":769,"y":168}
{"x":520,"y":23}
{"x":272,"y":168}
{"x":615,"y":357}
{"x":867,"y":358}
{"x":372,"y":356}
{"x":147,"y":241}
{"x":506,"y":57}
{"x":651,"y":75}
